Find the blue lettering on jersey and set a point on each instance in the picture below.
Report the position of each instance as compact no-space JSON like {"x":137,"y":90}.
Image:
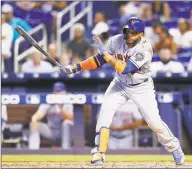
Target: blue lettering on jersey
{"x":122,"y":57}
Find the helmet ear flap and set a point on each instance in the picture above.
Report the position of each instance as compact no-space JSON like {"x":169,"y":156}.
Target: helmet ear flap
{"x":125,"y":32}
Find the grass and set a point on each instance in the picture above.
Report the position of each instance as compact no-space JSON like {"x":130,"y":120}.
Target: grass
{"x":87,"y":158}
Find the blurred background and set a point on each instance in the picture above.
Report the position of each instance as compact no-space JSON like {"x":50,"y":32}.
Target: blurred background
{"x":43,"y":109}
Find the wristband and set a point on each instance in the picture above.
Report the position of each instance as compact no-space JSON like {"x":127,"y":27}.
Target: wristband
{"x":77,"y":67}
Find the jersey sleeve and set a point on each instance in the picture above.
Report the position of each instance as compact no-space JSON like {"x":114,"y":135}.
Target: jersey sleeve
{"x":139,"y":58}
{"x":43,"y":108}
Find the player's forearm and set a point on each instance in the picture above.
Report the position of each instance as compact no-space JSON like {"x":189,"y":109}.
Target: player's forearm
{"x":91,"y":63}
{"x":37,"y":117}
{"x":127,"y":126}
{"x":67,"y":115}
{"x":133,"y":125}
{"x":119,"y":65}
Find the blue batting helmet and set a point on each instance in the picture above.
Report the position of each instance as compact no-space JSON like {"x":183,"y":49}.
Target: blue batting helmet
{"x":134,"y":23}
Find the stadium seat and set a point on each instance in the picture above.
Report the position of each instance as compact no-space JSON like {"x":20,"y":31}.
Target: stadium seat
{"x":21,"y":13}
{"x":45,"y":18}
{"x":114,"y":22}
{"x":114,"y":30}
{"x":185,"y":50}
{"x":171,"y":24}
{"x":183,"y":13}
{"x":147,"y":23}
{"x":184,"y":59}
{"x":155,"y":58}
{"x":33,"y":18}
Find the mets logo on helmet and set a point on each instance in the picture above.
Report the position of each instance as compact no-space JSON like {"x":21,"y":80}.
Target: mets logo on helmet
{"x":132,"y":22}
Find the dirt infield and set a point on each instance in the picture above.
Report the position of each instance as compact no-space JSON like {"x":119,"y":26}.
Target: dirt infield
{"x":87,"y":165}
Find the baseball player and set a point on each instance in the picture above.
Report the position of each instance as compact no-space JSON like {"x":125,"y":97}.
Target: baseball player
{"x":130,"y":55}
{"x":60,"y":121}
{"x":126,"y":118}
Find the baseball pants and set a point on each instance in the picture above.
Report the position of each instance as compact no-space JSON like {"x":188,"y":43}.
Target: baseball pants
{"x":143,"y":95}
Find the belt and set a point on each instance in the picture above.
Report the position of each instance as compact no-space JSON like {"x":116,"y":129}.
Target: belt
{"x":138,"y":83}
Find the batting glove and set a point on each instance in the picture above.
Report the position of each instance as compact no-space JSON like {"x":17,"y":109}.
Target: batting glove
{"x":67,"y":69}
{"x":98,"y":44}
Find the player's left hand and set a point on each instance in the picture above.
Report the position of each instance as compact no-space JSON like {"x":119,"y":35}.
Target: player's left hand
{"x":98,"y":44}
{"x":69,"y":69}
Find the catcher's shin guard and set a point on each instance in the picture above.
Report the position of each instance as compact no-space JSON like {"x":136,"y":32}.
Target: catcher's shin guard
{"x":98,"y":153}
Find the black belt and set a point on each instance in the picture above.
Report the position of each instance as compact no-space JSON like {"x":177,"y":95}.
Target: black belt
{"x":138,"y":83}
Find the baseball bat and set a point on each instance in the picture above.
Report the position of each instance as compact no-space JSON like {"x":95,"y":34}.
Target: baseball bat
{"x":26,"y":36}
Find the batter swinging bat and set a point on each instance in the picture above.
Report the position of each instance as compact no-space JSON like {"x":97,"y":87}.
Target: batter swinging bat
{"x":26,"y":36}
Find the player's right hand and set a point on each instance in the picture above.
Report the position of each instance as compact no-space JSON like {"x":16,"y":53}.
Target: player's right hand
{"x":69,"y":69}
{"x":98,"y":44}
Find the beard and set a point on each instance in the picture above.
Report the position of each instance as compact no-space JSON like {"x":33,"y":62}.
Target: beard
{"x":133,"y":43}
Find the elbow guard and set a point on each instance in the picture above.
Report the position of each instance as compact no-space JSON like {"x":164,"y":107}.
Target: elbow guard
{"x":125,"y":67}
{"x":120,"y":66}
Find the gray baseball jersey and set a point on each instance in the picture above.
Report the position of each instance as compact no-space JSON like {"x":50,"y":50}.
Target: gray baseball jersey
{"x":53,"y":113}
{"x":140,"y":55}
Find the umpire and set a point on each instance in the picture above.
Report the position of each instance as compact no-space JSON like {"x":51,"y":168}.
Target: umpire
{"x":59,"y":122}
